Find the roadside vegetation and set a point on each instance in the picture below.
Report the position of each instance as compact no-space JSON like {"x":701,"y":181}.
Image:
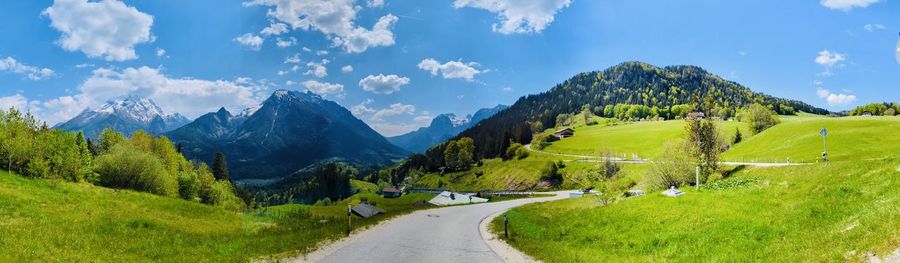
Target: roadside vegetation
{"x":59,"y":221}
{"x":839,"y":211}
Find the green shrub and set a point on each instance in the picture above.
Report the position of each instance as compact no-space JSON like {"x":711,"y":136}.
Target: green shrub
{"x":521,"y":153}
{"x":189,"y":185}
{"x":125,"y":167}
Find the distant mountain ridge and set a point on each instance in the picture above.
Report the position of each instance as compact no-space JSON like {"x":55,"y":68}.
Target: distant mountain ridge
{"x":126,"y":115}
{"x":442,"y":127}
{"x":287,"y":132}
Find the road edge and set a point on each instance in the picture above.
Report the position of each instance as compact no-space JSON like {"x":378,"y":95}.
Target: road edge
{"x":499,"y":247}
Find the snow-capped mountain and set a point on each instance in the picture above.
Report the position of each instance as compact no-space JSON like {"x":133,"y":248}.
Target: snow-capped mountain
{"x":289,"y":131}
{"x":125,"y":115}
{"x":442,"y":127}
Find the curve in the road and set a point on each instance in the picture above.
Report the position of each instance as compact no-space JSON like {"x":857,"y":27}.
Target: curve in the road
{"x":449,"y":234}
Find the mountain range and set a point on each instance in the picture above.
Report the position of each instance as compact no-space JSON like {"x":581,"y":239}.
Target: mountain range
{"x":442,"y":127}
{"x":286,"y":133}
{"x":126,"y":115}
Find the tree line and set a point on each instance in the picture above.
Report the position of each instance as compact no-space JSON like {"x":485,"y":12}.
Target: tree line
{"x":877,"y":109}
{"x":142,"y":162}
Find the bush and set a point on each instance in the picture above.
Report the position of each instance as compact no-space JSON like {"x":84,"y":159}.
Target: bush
{"x":125,"y":167}
{"x":550,"y":173}
{"x":674,"y":167}
{"x":541,"y":141}
{"x":522,"y":153}
{"x":189,"y":185}
{"x":759,"y":117}
{"x":511,"y":151}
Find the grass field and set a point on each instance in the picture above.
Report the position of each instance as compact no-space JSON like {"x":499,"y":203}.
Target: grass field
{"x":51,"y":221}
{"x":818,"y":213}
{"x":798,"y":140}
{"x":644,"y":139}
{"x":497,"y":174}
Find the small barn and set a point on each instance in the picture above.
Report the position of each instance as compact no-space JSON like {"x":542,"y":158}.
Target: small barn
{"x":366,"y":210}
{"x":564,"y":133}
{"x":391,"y":192}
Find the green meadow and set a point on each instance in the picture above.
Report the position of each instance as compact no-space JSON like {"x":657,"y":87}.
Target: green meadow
{"x":55,"y":221}
{"x":644,"y":139}
{"x":797,"y":139}
{"x":820,"y":213}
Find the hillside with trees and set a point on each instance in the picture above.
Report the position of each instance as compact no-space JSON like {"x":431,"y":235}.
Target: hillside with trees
{"x":668,"y":92}
{"x":142,"y":162}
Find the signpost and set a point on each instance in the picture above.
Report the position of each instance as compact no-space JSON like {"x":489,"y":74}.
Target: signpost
{"x":824,"y":133}
{"x":349,"y":219}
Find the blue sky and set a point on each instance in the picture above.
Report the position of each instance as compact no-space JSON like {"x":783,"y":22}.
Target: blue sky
{"x":412,"y":60}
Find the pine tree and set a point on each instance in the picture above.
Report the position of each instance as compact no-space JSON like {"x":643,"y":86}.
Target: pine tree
{"x":220,"y":168}
{"x":738,"y":137}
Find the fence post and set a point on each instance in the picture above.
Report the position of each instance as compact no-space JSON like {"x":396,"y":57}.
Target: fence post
{"x":506,"y":227}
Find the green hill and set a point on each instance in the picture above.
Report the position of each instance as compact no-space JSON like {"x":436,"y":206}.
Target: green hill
{"x":54,"y":221}
{"x":644,"y":139}
{"x":818,"y":213}
{"x":850,"y":138}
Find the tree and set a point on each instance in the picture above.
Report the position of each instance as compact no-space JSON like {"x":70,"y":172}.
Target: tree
{"x":759,"y":117}
{"x":607,"y":168}
{"x":220,"y":168}
{"x":738,"y":137}
{"x":674,"y":167}
{"x":705,"y":145}
{"x":110,"y":138}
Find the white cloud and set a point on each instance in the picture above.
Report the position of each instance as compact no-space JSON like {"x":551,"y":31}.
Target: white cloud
{"x":317,"y":69}
{"x":375,"y":3}
{"x":835,"y":99}
{"x":31,"y":72}
{"x":507,"y":89}
{"x":828,"y":58}
{"x":394,"y":110}
{"x":375,"y":118}
{"x":334,"y":18}
{"x":383,"y":84}
{"x":347,"y":69}
{"x":295,"y":59}
{"x":321,"y":52}
{"x":250,"y":40}
{"x":517,"y":17}
{"x":188,"y":96}
{"x":846,"y":5}
{"x":84,"y":65}
{"x":451,"y":69}
{"x":324,"y":88}
{"x":283,"y":43}
{"x":160,"y":52}
{"x":362,"y":108}
{"x":873,"y":27}
{"x":108,"y":29}
{"x":274,"y":29}
{"x":15,"y":101}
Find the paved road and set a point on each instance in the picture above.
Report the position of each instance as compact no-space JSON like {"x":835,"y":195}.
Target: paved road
{"x":449,"y":234}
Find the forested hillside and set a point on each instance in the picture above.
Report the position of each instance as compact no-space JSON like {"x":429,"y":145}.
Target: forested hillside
{"x":634,"y":83}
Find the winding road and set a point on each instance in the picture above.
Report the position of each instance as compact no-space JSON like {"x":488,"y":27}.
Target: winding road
{"x":449,"y":234}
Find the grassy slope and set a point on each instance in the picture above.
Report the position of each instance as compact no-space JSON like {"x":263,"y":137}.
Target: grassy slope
{"x":47,"y":221}
{"x":646,"y":139}
{"x":852,"y":138}
{"x":816,"y":213}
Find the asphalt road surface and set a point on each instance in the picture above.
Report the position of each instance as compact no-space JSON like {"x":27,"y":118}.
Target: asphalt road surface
{"x":449,"y":234}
